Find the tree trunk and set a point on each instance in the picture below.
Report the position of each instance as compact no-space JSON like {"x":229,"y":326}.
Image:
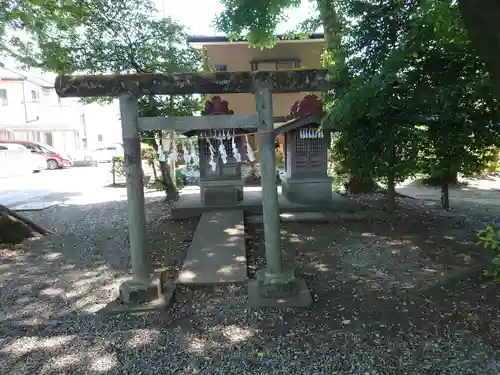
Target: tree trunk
{"x":391,"y":175}
{"x":167,"y":178}
{"x":15,"y":228}
{"x":336,"y":64}
{"x":445,"y":196}
{"x":332,"y":28}
{"x":155,"y":174}
{"x":153,"y":160}
{"x":481,"y":20}
{"x":391,"y":190}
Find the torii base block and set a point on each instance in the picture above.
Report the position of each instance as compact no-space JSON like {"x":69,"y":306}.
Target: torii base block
{"x":283,"y":290}
{"x":133,"y":292}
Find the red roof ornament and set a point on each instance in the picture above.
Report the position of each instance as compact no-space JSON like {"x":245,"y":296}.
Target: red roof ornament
{"x":308,"y":105}
{"x":217,"y":106}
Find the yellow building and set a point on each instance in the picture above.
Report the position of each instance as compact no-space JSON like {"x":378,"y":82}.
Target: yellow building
{"x":237,"y":56}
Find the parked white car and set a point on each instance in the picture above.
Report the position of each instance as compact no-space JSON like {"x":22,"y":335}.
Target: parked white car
{"x":85,"y":158}
{"x":16,"y":159}
{"x":105,"y":154}
{"x":39,"y":162}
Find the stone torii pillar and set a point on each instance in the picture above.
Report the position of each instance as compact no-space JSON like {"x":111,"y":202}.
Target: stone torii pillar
{"x":141,"y":288}
{"x":276,"y":285}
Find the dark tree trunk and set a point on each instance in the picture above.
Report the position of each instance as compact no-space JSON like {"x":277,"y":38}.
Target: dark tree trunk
{"x":166,"y":177}
{"x":164,"y":172}
{"x":481,"y":20}
{"x":445,"y":196}
{"x":451,"y":178}
{"x":168,"y":180}
{"x":391,"y":190}
{"x":15,"y":228}
{"x":152,"y":162}
{"x":332,"y":28}
{"x":155,"y":174}
{"x":391,"y":175}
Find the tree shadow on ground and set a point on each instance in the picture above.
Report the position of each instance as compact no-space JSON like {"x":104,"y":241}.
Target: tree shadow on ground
{"x":402,"y":286}
{"x":52,"y":289}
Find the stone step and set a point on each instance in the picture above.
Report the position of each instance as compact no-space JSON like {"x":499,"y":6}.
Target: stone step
{"x":217,"y":254}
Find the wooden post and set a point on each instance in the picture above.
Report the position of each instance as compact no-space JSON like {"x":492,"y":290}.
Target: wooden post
{"x":139,"y":288}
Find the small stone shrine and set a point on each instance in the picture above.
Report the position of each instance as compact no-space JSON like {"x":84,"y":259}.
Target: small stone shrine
{"x":306,"y":153}
{"x":220,"y":153}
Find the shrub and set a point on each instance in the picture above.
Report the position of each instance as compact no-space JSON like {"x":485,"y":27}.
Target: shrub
{"x":148,"y":153}
{"x":118,"y":166}
{"x":490,"y":238}
{"x":280,"y":158}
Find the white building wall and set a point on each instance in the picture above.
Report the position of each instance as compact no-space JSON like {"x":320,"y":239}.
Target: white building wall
{"x":104,"y":121}
{"x":40,"y":111}
{"x":19,"y":107}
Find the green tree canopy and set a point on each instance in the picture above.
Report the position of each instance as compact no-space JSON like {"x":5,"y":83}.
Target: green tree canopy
{"x":37,"y":21}
{"x":415,"y":96}
{"x":114,"y":36}
{"x":258,"y":19}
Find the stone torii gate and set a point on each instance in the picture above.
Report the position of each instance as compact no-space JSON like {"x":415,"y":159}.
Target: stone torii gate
{"x":276,"y":282}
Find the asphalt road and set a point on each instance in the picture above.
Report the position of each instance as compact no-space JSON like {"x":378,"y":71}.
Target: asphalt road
{"x":59,"y":185}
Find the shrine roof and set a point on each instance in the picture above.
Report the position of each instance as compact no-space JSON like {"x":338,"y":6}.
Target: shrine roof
{"x":201,"y":40}
{"x":298,"y":123}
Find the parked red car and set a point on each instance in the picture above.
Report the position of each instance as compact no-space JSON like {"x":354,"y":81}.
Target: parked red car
{"x":54,"y":158}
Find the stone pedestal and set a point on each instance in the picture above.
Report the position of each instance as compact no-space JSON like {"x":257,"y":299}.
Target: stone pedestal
{"x":221,"y":192}
{"x":134,"y":292}
{"x":137,"y":296}
{"x":283,"y":290}
{"x":307,"y":190}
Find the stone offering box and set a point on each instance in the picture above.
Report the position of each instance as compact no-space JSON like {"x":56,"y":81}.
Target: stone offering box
{"x":306,"y":153}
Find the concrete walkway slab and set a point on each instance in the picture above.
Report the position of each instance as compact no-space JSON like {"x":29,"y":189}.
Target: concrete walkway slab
{"x":217,"y":254}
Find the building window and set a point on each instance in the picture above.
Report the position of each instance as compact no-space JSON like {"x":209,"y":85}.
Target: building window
{"x":3,"y":97}
{"x":275,"y":65}
{"x":35,"y":96}
{"x":220,"y":68}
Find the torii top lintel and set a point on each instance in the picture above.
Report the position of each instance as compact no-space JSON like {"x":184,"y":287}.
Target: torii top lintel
{"x":192,"y":83}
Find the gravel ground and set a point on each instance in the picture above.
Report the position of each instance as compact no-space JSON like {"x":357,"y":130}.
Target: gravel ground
{"x":367,"y":317}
